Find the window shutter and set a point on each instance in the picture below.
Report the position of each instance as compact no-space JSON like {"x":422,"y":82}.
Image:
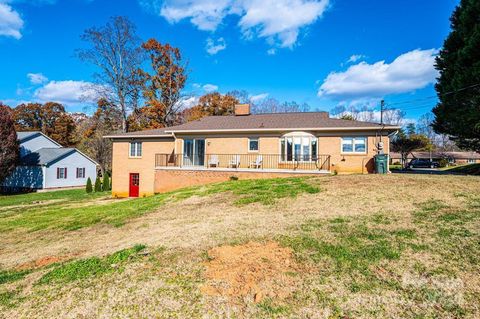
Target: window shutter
{"x":65,"y":173}
{"x":58,"y":172}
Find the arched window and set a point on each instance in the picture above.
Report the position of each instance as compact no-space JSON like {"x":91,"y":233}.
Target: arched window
{"x":298,"y":146}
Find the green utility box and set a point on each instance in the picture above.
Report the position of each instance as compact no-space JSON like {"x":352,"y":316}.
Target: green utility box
{"x":381,"y":163}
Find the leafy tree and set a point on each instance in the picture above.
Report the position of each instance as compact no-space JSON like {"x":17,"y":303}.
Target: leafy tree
{"x":98,"y":184}
{"x":458,"y":87}
{"x":407,"y":143}
{"x":162,"y":88}
{"x":49,"y":118}
{"x":89,"y":187}
{"x":211,"y":104}
{"x":106,"y":182}
{"x":115,"y":50}
{"x":410,"y":128}
{"x":9,"y":146}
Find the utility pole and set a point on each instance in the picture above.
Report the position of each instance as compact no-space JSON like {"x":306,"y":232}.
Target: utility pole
{"x":382,"y":106}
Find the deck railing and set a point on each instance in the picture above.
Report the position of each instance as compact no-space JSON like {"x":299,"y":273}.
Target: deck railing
{"x":245,"y":161}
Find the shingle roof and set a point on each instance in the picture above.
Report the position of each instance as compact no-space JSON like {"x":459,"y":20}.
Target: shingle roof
{"x":272,"y":121}
{"x":261,"y":122}
{"x":145,"y":133}
{"x":24,"y":135}
{"x":44,"y":156}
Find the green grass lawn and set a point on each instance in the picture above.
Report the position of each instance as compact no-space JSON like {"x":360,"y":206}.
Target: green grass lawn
{"x":75,"y":209}
{"x":356,"y":250}
{"x":470,"y":169}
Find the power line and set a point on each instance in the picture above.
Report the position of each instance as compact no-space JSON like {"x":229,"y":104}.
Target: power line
{"x":435,"y":96}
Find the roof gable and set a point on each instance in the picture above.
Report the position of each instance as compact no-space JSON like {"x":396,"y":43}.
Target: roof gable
{"x":30,"y":135}
{"x":48,"y":156}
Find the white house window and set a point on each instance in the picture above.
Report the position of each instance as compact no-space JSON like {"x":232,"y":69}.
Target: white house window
{"x":61,"y":172}
{"x":136,"y":149}
{"x":80,"y":172}
{"x":253,"y":144}
{"x":298,"y":146}
{"x":471,"y":161}
{"x":354,"y":144}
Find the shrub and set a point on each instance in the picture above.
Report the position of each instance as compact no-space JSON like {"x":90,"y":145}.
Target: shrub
{"x":89,"y":187}
{"x":234,"y":178}
{"x":443,"y":162}
{"x":106,"y":182}
{"x":98,"y":185}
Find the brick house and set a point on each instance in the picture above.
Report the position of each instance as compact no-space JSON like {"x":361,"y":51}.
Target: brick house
{"x":244,"y":145}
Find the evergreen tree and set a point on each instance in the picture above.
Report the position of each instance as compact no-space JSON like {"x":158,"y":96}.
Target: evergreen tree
{"x":458,"y":87}
{"x":106,"y":182}
{"x":98,"y":185}
{"x":89,"y":188}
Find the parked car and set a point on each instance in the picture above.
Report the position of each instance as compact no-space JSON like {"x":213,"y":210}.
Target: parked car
{"x":422,"y":163}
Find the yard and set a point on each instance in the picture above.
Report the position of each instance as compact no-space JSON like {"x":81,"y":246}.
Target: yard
{"x":328,"y":247}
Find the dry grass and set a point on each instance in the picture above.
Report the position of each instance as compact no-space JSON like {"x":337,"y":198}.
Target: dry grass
{"x":371,"y":246}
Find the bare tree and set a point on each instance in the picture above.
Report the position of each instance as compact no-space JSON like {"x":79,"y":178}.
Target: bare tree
{"x":368,"y":114}
{"x":115,"y":50}
{"x":271,"y":105}
{"x":393,"y":116}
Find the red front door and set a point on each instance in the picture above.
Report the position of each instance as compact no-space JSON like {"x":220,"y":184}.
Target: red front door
{"x":134,"y":184}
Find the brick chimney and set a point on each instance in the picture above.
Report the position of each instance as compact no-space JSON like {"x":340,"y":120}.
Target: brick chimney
{"x":242,"y":109}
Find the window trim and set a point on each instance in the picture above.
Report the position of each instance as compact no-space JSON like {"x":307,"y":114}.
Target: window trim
{"x":342,"y":152}
{"x":82,"y":170}
{"x":258,"y":144}
{"x":59,"y":169}
{"x":136,"y":143}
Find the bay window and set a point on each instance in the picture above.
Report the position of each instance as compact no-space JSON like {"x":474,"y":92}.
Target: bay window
{"x":354,"y":145}
{"x":298,"y":147}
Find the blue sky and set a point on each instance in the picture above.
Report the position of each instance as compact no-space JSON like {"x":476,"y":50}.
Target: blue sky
{"x":322,"y":52}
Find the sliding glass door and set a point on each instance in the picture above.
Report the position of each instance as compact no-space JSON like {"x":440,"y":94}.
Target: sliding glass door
{"x":193,"y":152}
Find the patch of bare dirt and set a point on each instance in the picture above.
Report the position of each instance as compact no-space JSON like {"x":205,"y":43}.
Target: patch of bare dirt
{"x":44,"y":261}
{"x":254,"y":270}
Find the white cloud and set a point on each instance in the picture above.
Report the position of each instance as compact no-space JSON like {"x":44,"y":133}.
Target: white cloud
{"x":258,"y":97}
{"x":354,"y":58}
{"x":272,"y":51}
{"x":210,"y":88}
{"x":66,"y":92}
{"x":213,"y":47}
{"x":187,"y":102}
{"x":279,"y":21}
{"x":408,"y":72}
{"x":10,"y":22}
{"x":37,"y":78}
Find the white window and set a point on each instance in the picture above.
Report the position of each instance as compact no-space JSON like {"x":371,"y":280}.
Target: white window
{"x":253,"y":144}
{"x":80,"y":172}
{"x":298,"y":146}
{"x":61,"y":172}
{"x":471,"y":161}
{"x":354,"y":145}
{"x":136,"y":149}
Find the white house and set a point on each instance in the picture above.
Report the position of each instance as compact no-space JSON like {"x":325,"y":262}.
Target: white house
{"x":45,"y":164}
